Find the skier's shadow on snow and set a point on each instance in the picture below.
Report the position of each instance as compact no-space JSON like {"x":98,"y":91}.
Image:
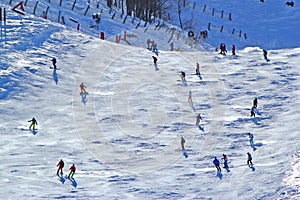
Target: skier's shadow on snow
{"x":227,"y":169}
{"x":201,"y":127}
{"x":254,"y":145}
{"x":34,"y":131}
{"x":73,"y":181}
{"x":252,"y":168}
{"x":220,"y":175}
{"x":185,"y":154}
{"x":192,"y":105}
{"x":156,"y":67}
{"x":199,"y":76}
{"x":84,"y":97}
{"x":55,"y":76}
{"x":61,"y":179}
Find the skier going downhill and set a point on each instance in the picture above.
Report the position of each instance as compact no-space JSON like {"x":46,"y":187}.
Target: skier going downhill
{"x":72,"y":171}
{"x":82,"y":88}
{"x":225,"y":161}
{"x":255,"y":103}
{"x":217,"y":164}
{"x":33,"y":123}
{"x":249,"y":160}
{"x":197,"y":69}
{"x":182,"y":141}
{"x":60,"y":166}
{"x":54,"y":63}
{"x":198,"y":119}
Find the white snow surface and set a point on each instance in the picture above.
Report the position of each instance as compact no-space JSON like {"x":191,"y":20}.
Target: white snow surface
{"x":124,"y":135}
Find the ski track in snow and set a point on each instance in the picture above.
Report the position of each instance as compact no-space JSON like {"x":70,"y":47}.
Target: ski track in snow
{"x":124,"y":135}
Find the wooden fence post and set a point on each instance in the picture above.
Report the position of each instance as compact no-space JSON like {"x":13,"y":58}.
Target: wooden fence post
{"x":73,"y":5}
{"x":35,"y":8}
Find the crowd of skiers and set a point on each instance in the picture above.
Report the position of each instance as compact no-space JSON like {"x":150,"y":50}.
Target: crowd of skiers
{"x":153,"y":46}
{"x":216,"y":161}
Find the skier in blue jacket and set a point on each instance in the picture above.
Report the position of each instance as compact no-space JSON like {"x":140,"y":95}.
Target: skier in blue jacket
{"x":217,"y":164}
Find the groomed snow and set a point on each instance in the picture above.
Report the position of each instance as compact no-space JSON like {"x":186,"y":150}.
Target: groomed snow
{"x":124,"y":135}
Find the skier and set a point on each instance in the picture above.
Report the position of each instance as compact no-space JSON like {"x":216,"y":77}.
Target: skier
{"x":190,"y":97}
{"x":252,"y":113}
{"x":249,"y":160}
{"x":148,"y":43}
{"x":233,"y":50}
{"x":54,"y":63}
{"x":154,"y":60}
{"x":265,"y":54}
{"x":82,"y":88}
{"x":223,"y":48}
{"x":198,"y":119}
{"x":255,"y":103}
{"x":72,"y":171}
{"x":172,"y":46}
{"x":197,"y":69}
{"x":182,"y":75}
{"x":225,"y":161}
{"x":182,"y":143}
{"x":251,"y":137}
{"x":60,"y":166}
{"x":217,"y":164}
{"x":33,"y":123}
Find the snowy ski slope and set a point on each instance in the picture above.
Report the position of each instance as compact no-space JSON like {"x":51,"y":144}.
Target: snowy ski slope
{"x":124,"y":135}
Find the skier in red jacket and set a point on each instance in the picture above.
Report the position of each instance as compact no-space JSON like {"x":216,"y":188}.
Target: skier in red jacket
{"x":72,"y":171}
{"x":60,"y":166}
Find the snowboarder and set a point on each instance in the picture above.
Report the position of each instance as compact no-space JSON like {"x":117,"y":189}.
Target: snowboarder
{"x":217,"y":164}
{"x":82,"y":88}
{"x":252,"y":113}
{"x":72,"y":171}
{"x":249,"y":160}
{"x":233,"y":50}
{"x":182,"y":143}
{"x":182,"y":75}
{"x":54,"y":63}
{"x":198,"y":119}
{"x":225,"y":161}
{"x":33,"y":123}
{"x":197,"y":69}
{"x":223,"y":48}
{"x":60,"y":166}
{"x":154,"y":60}
{"x":255,"y":103}
{"x":265,"y":54}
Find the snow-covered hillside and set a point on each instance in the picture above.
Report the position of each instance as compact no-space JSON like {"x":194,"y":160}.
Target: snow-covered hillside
{"x":124,"y":135}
